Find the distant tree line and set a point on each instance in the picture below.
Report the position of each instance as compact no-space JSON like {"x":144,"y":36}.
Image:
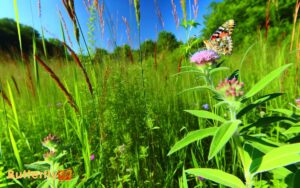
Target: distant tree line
{"x":166,"y":42}
{"x":9,"y":42}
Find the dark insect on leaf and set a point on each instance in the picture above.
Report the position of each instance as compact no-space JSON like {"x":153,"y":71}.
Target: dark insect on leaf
{"x":219,"y":64}
{"x":235,"y":75}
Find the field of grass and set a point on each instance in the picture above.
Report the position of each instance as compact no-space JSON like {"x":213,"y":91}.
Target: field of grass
{"x":121,"y":133}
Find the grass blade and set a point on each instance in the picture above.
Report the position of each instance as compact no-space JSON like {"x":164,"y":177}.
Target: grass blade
{"x":15,"y":149}
{"x":18,"y":25}
{"x":192,"y":137}
{"x":206,"y":114}
{"x":265,"y":81}
{"x":59,"y":84}
{"x":278,"y":157}
{"x":217,"y":176}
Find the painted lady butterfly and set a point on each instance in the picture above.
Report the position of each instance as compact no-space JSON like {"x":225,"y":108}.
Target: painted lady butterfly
{"x":221,"y":41}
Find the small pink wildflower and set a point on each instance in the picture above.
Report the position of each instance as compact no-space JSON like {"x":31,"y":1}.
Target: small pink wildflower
{"x":203,"y":57}
{"x":231,"y":88}
{"x":92,"y":157}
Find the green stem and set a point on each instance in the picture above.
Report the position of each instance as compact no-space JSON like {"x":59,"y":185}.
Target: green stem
{"x":239,"y":145}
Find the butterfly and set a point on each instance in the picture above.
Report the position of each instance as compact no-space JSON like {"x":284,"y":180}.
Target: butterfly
{"x":221,"y":41}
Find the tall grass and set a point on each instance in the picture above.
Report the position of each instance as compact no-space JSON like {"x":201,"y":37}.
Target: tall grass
{"x":59,"y":83}
{"x":113,"y":121}
{"x":127,"y":133}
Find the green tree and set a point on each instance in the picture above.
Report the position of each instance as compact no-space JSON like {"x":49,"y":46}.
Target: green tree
{"x":100,"y":55}
{"x":166,"y":41}
{"x":9,"y":42}
{"x":148,"y":48}
{"x":250,"y":16}
{"x":123,"y":52}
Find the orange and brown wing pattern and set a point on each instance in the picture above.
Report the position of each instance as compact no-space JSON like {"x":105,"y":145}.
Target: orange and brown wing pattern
{"x":221,"y":41}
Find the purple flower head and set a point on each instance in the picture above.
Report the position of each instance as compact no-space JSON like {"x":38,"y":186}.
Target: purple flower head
{"x":205,"y":106}
{"x":92,"y":157}
{"x":204,"y":56}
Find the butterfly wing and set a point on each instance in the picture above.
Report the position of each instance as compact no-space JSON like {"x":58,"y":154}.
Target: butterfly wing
{"x":221,"y":41}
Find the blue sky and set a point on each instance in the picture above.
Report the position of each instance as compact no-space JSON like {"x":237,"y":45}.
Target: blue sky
{"x":113,"y":12}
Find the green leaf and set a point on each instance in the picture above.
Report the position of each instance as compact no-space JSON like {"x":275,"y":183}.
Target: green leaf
{"x":263,"y":122}
{"x":206,"y":114}
{"x":265,"y":81}
{"x":223,"y":134}
{"x":70,"y":183}
{"x":15,"y":149}
{"x":284,"y":111}
{"x":218,"y":69}
{"x":192,"y":137}
{"x":18,"y":25}
{"x":195,"y":163}
{"x":198,"y":88}
{"x":259,"y":101}
{"x":217,"y":176}
{"x":5,"y":185}
{"x":278,"y":157}
{"x":91,"y":179}
{"x":292,"y":130}
{"x":261,"y":144}
{"x":184,"y":179}
{"x":39,"y":165}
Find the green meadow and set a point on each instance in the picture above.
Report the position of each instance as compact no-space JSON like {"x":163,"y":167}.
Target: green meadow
{"x":148,"y":117}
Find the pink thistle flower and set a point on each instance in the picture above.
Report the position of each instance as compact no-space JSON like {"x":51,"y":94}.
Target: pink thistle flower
{"x":203,"y":57}
{"x":231,"y":88}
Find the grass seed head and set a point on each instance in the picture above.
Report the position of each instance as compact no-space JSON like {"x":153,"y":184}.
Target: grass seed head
{"x":137,"y":11}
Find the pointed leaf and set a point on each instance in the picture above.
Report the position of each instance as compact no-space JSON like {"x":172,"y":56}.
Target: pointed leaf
{"x":15,"y":149}
{"x":206,"y":114}
{"x":292,"y":130}
{"x":223,"y":134}
{"x":263,"y":122}
{"x":258,"y":102}
{"x":217,"y":176}
{"x":192,"y":137}
{"x":184,"y":179}
{"x":278,"y":157}
{"x":218,"y":69}
{"x":197,"y":88}
{"x":265,"y":81}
